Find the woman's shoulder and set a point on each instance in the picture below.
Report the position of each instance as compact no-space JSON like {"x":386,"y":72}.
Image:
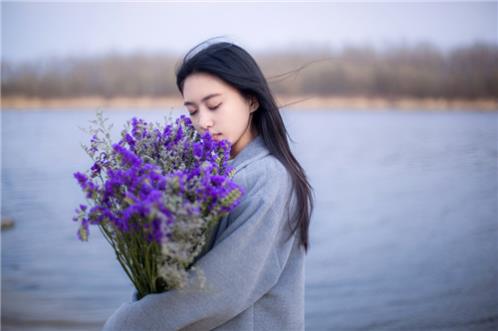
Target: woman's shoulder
{"x":267,"y":166}
{"x":266,"y":174}
{"x":257,"y":170}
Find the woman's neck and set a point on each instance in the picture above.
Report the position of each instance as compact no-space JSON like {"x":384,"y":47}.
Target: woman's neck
{"x":243,"y":141}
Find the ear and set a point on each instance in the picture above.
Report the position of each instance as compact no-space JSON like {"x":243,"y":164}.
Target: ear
{"x":254,"y":104}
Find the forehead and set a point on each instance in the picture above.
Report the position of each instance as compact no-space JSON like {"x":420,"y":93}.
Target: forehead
{"x":199,"y":85}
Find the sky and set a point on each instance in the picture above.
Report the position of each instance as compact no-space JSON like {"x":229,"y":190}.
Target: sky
{"x":33,"y":30}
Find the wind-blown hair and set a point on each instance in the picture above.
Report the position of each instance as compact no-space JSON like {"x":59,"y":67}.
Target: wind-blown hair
{"x":236,"y":67}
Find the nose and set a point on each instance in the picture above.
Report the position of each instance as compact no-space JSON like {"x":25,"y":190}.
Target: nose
{"x":205,"y":121}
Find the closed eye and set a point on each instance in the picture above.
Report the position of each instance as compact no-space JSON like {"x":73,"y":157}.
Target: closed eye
{"x":215,"y":107}
{"x":211,"y":108}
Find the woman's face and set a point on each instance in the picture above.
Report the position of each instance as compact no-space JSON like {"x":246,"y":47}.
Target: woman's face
{"x":220,"y":109}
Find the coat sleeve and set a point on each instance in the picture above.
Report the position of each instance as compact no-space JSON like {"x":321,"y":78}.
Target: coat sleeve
{"x":245,"y":263}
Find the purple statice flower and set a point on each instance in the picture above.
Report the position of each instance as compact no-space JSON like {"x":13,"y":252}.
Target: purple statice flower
{"x":95,"y":169}
{"x":158,"y":189}
{"x":179,"y":135}
{"x":129,"y":140}
{"x":81,"y":178}
{"x":197,"y":150}
{"x":128,"y":156}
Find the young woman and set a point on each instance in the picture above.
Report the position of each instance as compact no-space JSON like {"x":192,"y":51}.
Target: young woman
{"x":254,"y":264}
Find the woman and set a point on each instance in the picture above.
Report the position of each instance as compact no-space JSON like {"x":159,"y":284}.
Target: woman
{"x":254,"y":264}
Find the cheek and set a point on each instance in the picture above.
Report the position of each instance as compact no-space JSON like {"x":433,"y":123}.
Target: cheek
{"x":236,"y":114}
{"x":240,"y":119}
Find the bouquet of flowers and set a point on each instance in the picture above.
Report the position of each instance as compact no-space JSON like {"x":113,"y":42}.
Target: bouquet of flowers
{"x":154,"y":195}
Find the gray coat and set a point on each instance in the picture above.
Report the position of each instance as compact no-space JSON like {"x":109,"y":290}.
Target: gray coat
{"x":254,"y":275}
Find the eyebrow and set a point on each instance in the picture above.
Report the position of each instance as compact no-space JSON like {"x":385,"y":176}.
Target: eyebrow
{"x":187,"y":103}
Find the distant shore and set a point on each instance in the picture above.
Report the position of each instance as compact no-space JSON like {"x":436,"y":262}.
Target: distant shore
{"x":285,"y":102}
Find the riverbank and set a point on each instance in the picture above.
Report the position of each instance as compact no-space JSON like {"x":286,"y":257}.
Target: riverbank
{"x":285,"y":102}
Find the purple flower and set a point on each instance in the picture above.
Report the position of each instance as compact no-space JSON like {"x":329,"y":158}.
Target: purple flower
{"x":153,"y":175}
{"x":128,"y":156}
{"x":96,"y":168}
{"x":81,"y":178}
{"x":197,"y":150}
{"x":129,"y":139}
{"x":218,"y":180}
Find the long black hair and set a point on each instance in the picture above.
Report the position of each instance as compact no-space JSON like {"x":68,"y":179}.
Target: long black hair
{"x":236,"y":67}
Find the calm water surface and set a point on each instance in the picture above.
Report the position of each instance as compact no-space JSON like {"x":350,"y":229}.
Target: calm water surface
{"x":404,"y":234}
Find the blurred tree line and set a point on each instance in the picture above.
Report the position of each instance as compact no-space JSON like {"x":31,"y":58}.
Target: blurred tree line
{"x":418,"y":71}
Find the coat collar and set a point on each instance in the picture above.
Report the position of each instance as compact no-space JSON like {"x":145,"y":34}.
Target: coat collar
{"x":255,"y":150}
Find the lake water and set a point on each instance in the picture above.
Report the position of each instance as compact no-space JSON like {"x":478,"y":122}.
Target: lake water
{"x":404,"y":235}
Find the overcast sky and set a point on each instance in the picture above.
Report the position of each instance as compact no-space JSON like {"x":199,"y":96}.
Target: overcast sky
{"x":31,"y":30}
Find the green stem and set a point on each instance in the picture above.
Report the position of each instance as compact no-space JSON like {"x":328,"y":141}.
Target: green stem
{"x":120,"y":257}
